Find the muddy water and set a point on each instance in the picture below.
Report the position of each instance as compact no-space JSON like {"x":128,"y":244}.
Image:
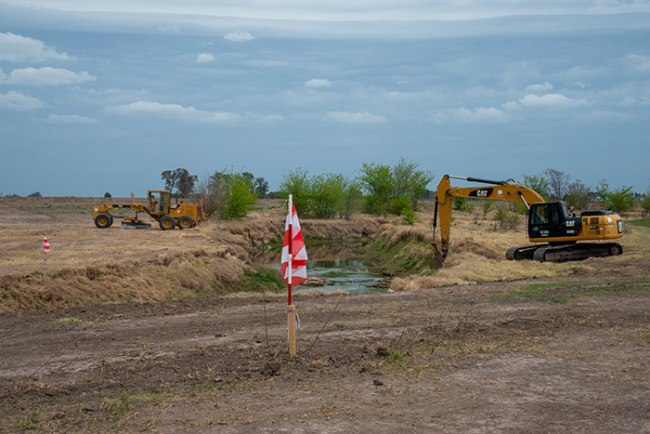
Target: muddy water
{"x":348,"y":275}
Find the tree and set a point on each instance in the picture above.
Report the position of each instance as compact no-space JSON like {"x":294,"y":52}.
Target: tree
{"x":558,"y":183}
{"x":36,"y":194}
{"x":618,"y":200}
{"x":181,"y":180}
{"x":410,"y":182}
{"x":327,"y":194}
{"x":537,"y":182}
{"x":107,"y":195}
{"x":378,"y":181}
{"x":240,"y":198}
{"x":578,"y":195}
{"x":645,"y":201}
{"x":299,"y":186}
{"x":261,"y":187}
{"x":352,"y":198}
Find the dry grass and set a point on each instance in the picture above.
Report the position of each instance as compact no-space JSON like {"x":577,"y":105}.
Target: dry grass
{"x":88,"y":265}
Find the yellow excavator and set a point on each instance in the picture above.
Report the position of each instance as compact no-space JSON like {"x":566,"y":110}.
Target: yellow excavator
{"x":559,"y":235}
{"x":159,"y":207}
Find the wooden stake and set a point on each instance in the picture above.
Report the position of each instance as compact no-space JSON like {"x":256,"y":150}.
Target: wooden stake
{"x":292,"y":330}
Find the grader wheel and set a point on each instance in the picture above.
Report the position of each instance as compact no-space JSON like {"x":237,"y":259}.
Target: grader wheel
{"x":167,"y":223}
{"x":185,"y":222}
{"x":103,"y":221}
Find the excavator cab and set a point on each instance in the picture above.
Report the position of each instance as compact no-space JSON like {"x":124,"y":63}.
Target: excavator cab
{"x":550,"y":220}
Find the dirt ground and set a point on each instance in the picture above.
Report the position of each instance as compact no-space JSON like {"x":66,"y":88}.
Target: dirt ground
{"x":534,"y":355}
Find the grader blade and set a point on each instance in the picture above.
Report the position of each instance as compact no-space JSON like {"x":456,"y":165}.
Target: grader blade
{"x":135,"y":225}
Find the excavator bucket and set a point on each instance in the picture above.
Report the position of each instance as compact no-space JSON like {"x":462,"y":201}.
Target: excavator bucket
{"x":437,"y":261}
{"x":438,"y":258}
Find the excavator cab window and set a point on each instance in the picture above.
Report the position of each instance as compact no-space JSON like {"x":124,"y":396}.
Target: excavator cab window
{"x":547,"y":220}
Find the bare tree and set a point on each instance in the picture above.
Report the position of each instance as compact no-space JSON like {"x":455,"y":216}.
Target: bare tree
{"x":558,"y":183}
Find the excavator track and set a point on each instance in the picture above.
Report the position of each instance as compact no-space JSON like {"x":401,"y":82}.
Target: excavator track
{"x":563,"y":252}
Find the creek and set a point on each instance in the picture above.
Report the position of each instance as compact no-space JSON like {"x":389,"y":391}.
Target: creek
{"x":334,"y":266}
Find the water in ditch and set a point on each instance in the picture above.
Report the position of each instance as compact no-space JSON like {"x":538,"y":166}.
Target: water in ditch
{"x":348,"y":275}
{"x":331,"y":266}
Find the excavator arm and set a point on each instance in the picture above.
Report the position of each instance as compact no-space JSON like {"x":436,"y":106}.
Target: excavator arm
{"x":494,"y":190}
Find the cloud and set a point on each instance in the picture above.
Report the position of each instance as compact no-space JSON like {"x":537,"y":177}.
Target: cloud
{"x":47,"y":76}
{"x":71,"y":119}
{"x":17,"y":101}
{"x":16,"y":48}
{"x":356,"y":118}
{"x":551,"y":100}
{"x":481,"y":115}
{"x":543,"y":87}
{"x":318,"y":82}
{"x":239,"y":36}
{"x":171,"y":111}
{"x":607,"y":115}
{"x":642,"y":63}
{"x":271,"y":119}
{"x":439,"y":118}
{"x":628,"y":101}
{"x":205,"y":58}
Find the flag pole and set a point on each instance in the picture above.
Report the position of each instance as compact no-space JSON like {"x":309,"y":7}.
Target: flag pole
{"x":291,"y":313}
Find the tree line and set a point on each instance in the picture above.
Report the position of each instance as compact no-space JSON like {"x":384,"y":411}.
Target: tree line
{"x":378,"y":189}
{"x":555,"y":185}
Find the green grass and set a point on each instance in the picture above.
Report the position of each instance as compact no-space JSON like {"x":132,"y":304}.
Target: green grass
{"x":645,"y":223}
{"x":551,"y":292}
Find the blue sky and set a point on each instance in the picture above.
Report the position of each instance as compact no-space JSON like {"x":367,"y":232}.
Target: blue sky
{"x":103,"y":96}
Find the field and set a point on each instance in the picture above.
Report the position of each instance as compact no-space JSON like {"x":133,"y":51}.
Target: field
{"x":148,"y":331}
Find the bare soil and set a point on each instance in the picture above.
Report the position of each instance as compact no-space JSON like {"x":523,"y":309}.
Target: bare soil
{"x":532,"y":355}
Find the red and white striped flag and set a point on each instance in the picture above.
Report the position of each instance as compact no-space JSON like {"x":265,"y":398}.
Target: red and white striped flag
{"x":298,"y":253}
{"x":46,"y":247}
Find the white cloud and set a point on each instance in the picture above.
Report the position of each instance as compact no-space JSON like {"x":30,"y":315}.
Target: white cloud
{"x":511,"y":105}
{"x":318,"y":82}
{"x":205,"y":58}
{"x":271,"y":119}
{"x":17,"y":101}
{"x":439,"y":118}
{"x":642,"y":63}
{"x":172,"y":30}
{"x":47,"y":76}
{"x":239,"y":36}
{"x":628,"y":101}
{"x":481,"y":115}
{"x":607,"y":115}
{"x":551,"y":100}
{"x":16,"y":48}
{"x":172,"y":111}
{"x":356,"y":118}
{"x":71,"y":119}
{"x":542,"y":87}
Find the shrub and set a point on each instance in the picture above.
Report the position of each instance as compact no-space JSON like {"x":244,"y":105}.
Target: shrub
{"x":505,"y":220}
{"x":645,"y":201}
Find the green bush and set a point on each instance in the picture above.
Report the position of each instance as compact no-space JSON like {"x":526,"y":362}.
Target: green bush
{"x":505,"y":220}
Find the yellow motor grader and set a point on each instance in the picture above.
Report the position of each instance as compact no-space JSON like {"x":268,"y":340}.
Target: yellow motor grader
{"x":159,"y":207}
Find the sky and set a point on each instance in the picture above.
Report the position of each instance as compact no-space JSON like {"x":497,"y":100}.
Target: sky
{"x":104,"y":96}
